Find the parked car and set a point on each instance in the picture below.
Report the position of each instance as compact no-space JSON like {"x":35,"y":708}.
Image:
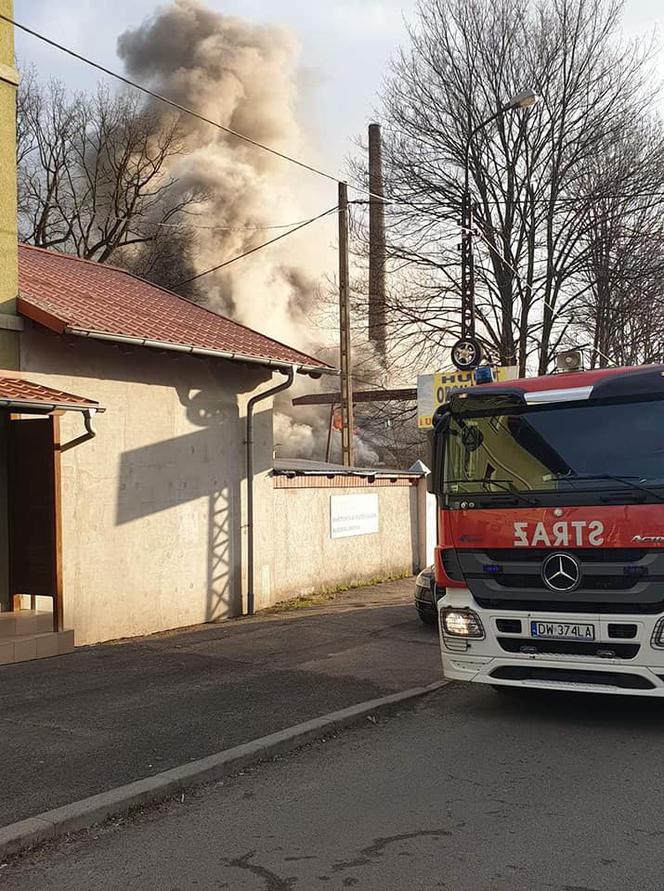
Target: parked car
{"x":427,"y":595}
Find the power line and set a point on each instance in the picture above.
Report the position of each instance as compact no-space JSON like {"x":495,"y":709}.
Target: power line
{"x":183,"y":108}
{"x":171,"y":102}
{"x":259,"y":247}
{"x":266,"y":148}
{"x":244,"y":138}
{"x":214,"y":228}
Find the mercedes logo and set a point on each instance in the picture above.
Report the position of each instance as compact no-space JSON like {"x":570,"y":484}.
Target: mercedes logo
{"x":561,"y":572}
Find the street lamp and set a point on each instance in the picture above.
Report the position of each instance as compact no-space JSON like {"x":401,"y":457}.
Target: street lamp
{"x":467,"y":352}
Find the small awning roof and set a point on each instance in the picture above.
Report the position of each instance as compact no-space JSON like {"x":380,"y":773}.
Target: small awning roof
{"x":23,"y":395}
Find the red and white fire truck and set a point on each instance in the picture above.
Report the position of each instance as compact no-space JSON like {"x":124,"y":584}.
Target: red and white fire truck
{"x":551,"y":531}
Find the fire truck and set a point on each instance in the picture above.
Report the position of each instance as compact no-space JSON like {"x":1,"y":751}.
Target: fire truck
{"x":550,"y":496}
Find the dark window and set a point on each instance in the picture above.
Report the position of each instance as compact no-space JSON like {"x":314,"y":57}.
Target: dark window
{"x":547,"y":448}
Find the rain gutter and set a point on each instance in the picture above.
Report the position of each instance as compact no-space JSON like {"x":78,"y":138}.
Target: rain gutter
{"x":313,"y":370}
{"x":21,"y":405}
{"x":253,"y":402}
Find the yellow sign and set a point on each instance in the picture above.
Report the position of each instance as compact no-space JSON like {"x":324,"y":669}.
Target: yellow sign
{"x":433,"y":389}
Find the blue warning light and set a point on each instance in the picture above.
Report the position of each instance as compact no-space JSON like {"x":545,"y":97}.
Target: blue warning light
{"x":484,"y":374}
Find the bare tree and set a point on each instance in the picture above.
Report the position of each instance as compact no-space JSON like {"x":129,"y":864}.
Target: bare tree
{"x":624,"y":256}
{"x":537,"y":210}
{"x":94,"y":179}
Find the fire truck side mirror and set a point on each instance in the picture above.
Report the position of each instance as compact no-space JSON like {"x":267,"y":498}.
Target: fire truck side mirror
{"x":437,"y":455}
{"x":431,"y":476}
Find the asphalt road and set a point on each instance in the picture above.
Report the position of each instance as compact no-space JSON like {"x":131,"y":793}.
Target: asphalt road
{"x":107,"y":715}
{"x":469,"y":790}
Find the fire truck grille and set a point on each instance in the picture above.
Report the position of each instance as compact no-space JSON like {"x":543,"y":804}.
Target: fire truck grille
{"x":590,"y":582}
{"x":569,"y":648}
{"x":572,"y":676}
{"x":614,"y":580}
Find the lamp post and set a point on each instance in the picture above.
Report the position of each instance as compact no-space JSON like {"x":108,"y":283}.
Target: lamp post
{"x":467,"y":352}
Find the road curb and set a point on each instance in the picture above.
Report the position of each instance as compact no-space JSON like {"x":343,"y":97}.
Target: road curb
{"x":82,"y":814}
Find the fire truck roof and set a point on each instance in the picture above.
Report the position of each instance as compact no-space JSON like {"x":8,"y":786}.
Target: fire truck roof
{"x":643,"y":382}
{"x":571,"y":380}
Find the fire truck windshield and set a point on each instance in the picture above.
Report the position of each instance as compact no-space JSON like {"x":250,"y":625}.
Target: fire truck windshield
{"x":556,"y":448}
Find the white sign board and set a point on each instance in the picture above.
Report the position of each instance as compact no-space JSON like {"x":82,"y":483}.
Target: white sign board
{"x":353,"y":515}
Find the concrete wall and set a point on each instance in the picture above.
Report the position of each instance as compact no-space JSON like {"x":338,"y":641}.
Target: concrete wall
{"x":153,"y":507}
{"x":301,"y":557}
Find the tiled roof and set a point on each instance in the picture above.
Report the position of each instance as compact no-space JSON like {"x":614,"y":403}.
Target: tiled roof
{"x":18,"y":392}
{"x":75,"y":296}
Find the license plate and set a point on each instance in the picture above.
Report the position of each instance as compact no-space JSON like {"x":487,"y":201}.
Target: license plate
{"x":565,"y":630}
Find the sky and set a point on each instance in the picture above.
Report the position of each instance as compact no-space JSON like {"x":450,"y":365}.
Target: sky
{"x":346,"y":46}
{"x":345,"y":49}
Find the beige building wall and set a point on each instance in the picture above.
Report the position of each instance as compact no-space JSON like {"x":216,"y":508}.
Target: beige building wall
{"x":300,"y":557}
{"x":153,"y":508}
{"x":9,"y":342}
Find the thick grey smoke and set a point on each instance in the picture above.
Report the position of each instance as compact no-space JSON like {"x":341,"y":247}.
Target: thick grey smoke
{"x":303,"y":433}
{"x":245,"y":76}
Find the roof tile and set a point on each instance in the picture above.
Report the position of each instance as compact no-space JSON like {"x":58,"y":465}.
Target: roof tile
{"x":19,"y":391}
{"x":68,"y":293}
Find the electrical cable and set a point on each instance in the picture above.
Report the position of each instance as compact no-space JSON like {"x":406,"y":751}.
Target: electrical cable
{"x":244,"y":138}
{"x":183,"y":108}
{"x":258,"y":247}
{"x":255,"y":143}
{"x":188,"y":225}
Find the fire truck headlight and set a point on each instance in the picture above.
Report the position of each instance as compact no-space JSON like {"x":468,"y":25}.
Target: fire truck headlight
{"x":657,"y":639}
{"x":462,"y":623}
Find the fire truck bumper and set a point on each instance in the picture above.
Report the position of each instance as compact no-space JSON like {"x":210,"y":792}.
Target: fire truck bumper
{"x":583,"y":653}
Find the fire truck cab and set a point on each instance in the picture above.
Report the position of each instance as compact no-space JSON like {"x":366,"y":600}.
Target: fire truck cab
{"x":550,"y":498}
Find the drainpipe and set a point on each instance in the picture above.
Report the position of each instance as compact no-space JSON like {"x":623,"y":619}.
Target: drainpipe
{"x":90,"y":433}
{"x":250,"y":480}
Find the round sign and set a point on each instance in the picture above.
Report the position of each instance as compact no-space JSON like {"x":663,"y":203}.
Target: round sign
{"x":466,"y":354}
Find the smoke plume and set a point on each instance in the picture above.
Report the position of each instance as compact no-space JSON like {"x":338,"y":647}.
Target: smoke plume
{"x":245,"y":76}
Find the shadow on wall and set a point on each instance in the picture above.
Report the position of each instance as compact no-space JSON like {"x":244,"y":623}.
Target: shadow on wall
{"x":180,"y":450}
{"x":208,"y":464}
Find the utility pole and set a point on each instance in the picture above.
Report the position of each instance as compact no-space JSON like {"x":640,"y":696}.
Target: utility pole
{"x":467,"y":268}
{"x":467,"y":352}
{"x":345,"y":359}
{"x":377,"y":259}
